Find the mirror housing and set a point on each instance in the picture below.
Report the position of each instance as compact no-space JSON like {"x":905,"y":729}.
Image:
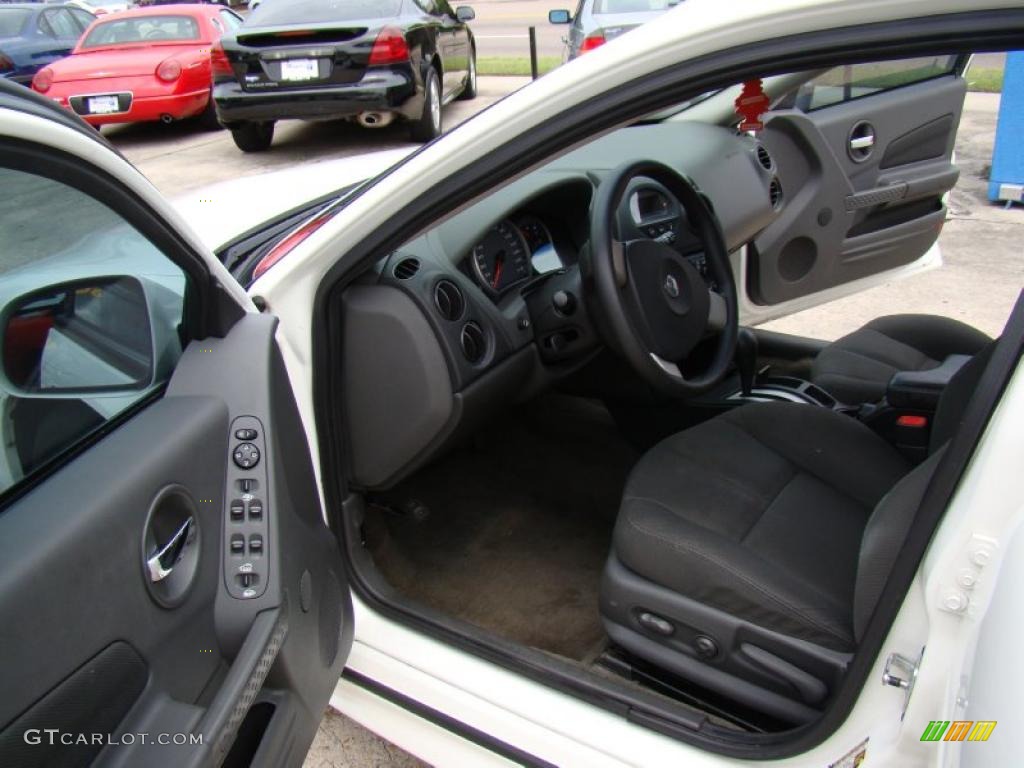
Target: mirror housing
{"x":80,"y":338}
{"x":464,"y":13}
{"x":560,"y":16}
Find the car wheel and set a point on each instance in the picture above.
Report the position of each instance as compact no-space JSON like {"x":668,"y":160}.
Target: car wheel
{"x":469,"y":91}
{"x":253,"y":137}
{"x":428,"y":127}
{"x":208,"y":117}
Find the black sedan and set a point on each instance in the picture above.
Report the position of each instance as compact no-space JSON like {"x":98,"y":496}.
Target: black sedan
{"x":372,"y":61}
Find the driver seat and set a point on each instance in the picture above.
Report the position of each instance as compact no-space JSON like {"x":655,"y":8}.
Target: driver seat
{"x":750,"y":551}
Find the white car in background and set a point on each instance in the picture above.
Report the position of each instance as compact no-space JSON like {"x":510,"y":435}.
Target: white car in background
{"x":481,"y":449}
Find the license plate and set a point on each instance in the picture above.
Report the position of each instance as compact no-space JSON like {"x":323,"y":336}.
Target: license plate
{"x":300,"y":69}
{"x":103,"y":105}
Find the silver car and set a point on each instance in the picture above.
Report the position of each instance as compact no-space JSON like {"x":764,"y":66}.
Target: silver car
{"x":598,"y":21}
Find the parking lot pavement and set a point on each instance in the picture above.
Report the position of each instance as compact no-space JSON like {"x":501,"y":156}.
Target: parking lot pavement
{"x":182,"y":156}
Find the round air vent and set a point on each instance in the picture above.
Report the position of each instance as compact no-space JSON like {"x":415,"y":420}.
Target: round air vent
{"x":407,"y":268}
{"x":474,"y":343}
{"x":775,"y":193}
{"x":449,"y":300}
{"x":764,"y":158}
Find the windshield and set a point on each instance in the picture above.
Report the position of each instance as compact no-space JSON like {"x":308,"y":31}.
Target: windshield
{"x":142,"y":29}
{"x":12,"y":21}
{"x":322,"y":11}
{"x":632,"y":6}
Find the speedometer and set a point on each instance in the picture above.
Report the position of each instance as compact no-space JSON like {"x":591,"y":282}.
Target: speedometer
{"x":501,"y":259}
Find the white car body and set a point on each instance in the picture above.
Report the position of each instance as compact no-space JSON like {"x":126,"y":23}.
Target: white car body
{"x":537,"y":719}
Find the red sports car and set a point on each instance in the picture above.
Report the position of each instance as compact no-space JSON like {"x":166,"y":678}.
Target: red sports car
{"x":144,"y":64}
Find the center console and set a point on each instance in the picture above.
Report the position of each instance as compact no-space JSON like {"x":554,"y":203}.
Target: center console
{"x":903,"y":417}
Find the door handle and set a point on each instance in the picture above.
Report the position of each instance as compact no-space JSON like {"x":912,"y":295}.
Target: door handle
{"x":863,"y":142}
{"x":162,"y":562}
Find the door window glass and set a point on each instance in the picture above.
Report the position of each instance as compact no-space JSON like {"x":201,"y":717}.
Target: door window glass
{"x":62,"y":23}
{"x":853,"y":81}
{"x":90,"y":320}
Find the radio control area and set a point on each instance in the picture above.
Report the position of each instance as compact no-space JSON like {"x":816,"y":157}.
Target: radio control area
{"x":246,"y":563}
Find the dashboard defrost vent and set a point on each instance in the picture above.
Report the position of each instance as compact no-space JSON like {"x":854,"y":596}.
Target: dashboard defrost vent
{"x":449,"y":300}
{"x":406,"y":268}
{"x":474,"y":343}
{"x":775,"y":193}
{"x":764,"y":158}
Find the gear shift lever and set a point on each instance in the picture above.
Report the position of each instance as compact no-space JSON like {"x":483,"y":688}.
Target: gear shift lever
{"x":746,"y":359}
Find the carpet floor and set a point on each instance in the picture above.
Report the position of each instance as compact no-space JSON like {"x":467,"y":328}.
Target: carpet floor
{"x":519,"y":527}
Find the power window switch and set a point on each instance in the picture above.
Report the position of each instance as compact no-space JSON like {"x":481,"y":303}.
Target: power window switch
{"x":237,"y":544}
{"x":237,"y":510}
{"x":256,"y":544}
{"x":255,"y":509}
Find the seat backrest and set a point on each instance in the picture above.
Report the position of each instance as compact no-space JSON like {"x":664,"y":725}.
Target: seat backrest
{"x":893,"y":516}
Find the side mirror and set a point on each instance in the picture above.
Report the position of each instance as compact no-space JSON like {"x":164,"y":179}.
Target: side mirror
{"x":79,"y":339}
{"x":559,"y":17}
{"x":464,"y":13}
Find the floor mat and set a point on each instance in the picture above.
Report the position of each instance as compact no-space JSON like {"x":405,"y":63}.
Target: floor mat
{"x":519,"y":528}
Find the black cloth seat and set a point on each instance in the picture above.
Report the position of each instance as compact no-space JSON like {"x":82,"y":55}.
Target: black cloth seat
{"x":772,"y":530}
{"x":857,"y":367}
{"x":760,"y":513}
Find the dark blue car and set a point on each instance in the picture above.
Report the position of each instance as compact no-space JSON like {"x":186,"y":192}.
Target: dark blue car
{"x":33,"y":35}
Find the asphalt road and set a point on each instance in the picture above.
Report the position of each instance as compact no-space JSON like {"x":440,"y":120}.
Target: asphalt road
{"x":502,"y":27}
{"x":982,"y":275}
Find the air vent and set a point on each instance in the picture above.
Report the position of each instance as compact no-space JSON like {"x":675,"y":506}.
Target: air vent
{"x":449,"y":300}
{"x":474,"y":343}
{"x":775,"y":193}
{"x":407,"y":268}
{"x":764,"y":158}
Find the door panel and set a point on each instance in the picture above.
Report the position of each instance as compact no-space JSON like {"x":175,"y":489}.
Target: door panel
{"x":862,"y":184}
{"x":92,"y":645}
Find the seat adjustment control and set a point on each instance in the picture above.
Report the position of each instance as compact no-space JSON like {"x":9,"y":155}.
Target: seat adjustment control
{"x":656,"y":624}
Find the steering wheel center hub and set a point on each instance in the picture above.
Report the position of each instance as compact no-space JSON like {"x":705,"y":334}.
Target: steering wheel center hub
{"x":669,"y":302}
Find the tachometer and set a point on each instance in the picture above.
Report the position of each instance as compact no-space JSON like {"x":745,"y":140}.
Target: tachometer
{"x":502,"y":258}
{"x":543,"y":255}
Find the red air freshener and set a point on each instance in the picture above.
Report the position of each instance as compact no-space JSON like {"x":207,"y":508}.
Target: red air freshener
{"x":751,"y":104}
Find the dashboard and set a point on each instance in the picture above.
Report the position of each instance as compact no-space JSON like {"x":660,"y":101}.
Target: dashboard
{"x":489,"y":305}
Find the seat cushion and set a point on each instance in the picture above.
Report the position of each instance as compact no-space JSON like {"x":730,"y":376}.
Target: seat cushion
{"x":857,"y":367}
{"x":760,"y":513}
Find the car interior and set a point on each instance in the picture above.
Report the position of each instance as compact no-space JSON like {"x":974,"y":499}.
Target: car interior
{"x":559,"y":435}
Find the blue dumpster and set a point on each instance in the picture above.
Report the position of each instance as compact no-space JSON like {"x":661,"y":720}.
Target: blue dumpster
{"x":1006,"y":182}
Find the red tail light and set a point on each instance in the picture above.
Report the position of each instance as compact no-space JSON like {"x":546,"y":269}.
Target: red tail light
{"x":169,"y":70}
{"x":593,"y":41}
{"x":219,"y":63}
{"x":389,"y":48}
{"x":43,"y":80}
{"x":289,"y":244}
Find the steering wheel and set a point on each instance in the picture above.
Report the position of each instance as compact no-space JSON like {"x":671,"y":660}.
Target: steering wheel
{"x":652,"y":303}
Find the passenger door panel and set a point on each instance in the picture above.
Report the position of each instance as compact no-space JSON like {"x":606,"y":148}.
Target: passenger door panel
{"x":862,"y":184}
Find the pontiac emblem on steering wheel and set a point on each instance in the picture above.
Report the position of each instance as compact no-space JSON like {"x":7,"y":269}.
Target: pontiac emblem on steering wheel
{"x":671,"y":286}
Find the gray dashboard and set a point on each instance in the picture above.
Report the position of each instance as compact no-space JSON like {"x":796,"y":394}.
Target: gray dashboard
{"x":431,"y":347}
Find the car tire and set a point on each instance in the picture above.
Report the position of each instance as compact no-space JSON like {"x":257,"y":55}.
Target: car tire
{"x":469,"y":91}
{"x":253,"y":137}
{"x":428,"y":127}
{"x":208,"y":117}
